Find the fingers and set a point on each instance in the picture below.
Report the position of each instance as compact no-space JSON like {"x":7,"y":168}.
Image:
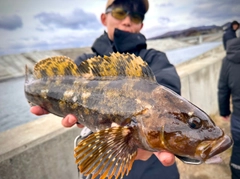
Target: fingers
{"x":70,"y":120}
{"x":226,"y":118}
{"x":143,"y":154}
{"x":37,"y":110}
{"x":166,"y":158}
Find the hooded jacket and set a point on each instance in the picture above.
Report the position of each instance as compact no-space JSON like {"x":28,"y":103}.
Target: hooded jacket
{"x":229,"y":34}
{"x":229,"y":81}
{"x":125,"y":42}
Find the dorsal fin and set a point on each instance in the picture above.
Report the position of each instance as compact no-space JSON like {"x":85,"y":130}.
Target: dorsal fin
{"x":116,"y":65}
{"x":55,"y":66}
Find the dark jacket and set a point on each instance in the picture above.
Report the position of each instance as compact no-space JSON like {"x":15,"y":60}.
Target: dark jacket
{"x":228,"y":35}
{"x":165,"y":74}
{"x":229,"y":81}
{"x":124,"y":42}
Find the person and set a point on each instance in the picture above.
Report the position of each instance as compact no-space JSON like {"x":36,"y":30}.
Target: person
{"x":123,"y":20}
{"x":230,"y":33}
{"x":229,"y":85}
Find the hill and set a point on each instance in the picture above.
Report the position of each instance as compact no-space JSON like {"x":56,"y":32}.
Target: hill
{"x":192,"y":31}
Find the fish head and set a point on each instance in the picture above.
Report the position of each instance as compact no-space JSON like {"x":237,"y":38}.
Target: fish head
{"x":194,"y":136}
{"x":178,"y":126}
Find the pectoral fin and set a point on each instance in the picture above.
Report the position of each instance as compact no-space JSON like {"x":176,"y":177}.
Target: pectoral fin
{"x":110,"y":152}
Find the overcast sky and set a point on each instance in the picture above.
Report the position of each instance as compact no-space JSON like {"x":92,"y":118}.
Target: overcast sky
{"x":27,"y":25}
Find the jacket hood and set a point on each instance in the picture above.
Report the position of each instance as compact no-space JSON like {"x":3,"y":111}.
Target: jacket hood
{"x":233,"y":50}
{"x":123,"y":42}
{"x":230,"y":26}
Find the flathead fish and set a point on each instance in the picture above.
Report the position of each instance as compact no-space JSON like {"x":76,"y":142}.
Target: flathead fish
{"x":122,"y":89}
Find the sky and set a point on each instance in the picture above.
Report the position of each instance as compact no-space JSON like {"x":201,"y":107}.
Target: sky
{"x":28,"y":25}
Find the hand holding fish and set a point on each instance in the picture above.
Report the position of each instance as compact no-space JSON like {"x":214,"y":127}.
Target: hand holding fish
{"x":68,"y":121}
{"x":37,"y":110}
{"x":226,"y":118}
{"x":166,"y":158}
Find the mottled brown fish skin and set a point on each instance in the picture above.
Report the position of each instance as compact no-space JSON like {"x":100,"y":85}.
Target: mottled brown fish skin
{"x":162,"y":116}
{"x":96,"y":103}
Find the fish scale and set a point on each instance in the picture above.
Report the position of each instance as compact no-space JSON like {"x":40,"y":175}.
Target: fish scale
{"x":122,"y":89}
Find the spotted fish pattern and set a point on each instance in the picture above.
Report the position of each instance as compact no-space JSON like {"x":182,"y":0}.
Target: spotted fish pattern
{"x":122,"y":89}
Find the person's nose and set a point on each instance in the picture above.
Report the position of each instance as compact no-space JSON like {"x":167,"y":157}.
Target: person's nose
{"x":127,"y":21}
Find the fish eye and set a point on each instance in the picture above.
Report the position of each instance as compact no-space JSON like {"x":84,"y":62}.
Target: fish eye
{"x":194,"y":123}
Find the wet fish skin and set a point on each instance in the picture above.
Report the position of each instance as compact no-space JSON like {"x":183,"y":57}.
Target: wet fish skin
{"x":102,"y":91}
{"x":172,"y":116}
{"x":92,"y":101}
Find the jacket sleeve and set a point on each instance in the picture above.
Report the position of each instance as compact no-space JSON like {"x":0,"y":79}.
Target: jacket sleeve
{"x":224,"y":91}
{"x":163,"y":70}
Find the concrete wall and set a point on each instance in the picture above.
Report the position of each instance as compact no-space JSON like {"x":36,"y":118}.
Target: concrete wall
{"x":43,"y":149}
{"x":199,"y":79}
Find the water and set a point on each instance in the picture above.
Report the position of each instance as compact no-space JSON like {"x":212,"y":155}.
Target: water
{"x":178,"y":56}
{"x":14,"y":109}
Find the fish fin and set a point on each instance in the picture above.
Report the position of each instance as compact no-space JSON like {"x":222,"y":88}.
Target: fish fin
{"x":110,"y":152}
{"x":117,"y":65}
{"x":55,"y":66}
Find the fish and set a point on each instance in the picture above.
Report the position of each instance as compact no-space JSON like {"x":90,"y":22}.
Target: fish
{"x":122,"y":89}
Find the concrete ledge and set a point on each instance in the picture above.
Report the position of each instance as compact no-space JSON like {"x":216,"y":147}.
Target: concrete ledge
{"x":39,"y":149}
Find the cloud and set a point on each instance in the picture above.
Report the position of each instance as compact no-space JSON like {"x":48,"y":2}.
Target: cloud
{"x":155,"y":30}
{"x":165,"y":5}
{"x":77,"y":19}
{"x":10,"y":22}
{"x":56,"y":41}
{"x":163,"y":20}
{"x":216,"y":10}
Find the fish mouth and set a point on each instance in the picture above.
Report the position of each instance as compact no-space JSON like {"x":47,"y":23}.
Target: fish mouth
{"x":209,"y":149}
{"x":220,"y":145}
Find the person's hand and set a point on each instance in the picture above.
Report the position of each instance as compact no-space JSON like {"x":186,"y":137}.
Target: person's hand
{"x":226,"y":118}
{"x":37,"y":110}
{"x":67,"y":121}
{"x":70,"y":120}
{"x":166,"y":158}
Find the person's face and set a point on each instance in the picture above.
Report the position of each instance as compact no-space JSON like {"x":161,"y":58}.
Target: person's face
{"x":235,"y":26}
{"x":125,"y":24}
